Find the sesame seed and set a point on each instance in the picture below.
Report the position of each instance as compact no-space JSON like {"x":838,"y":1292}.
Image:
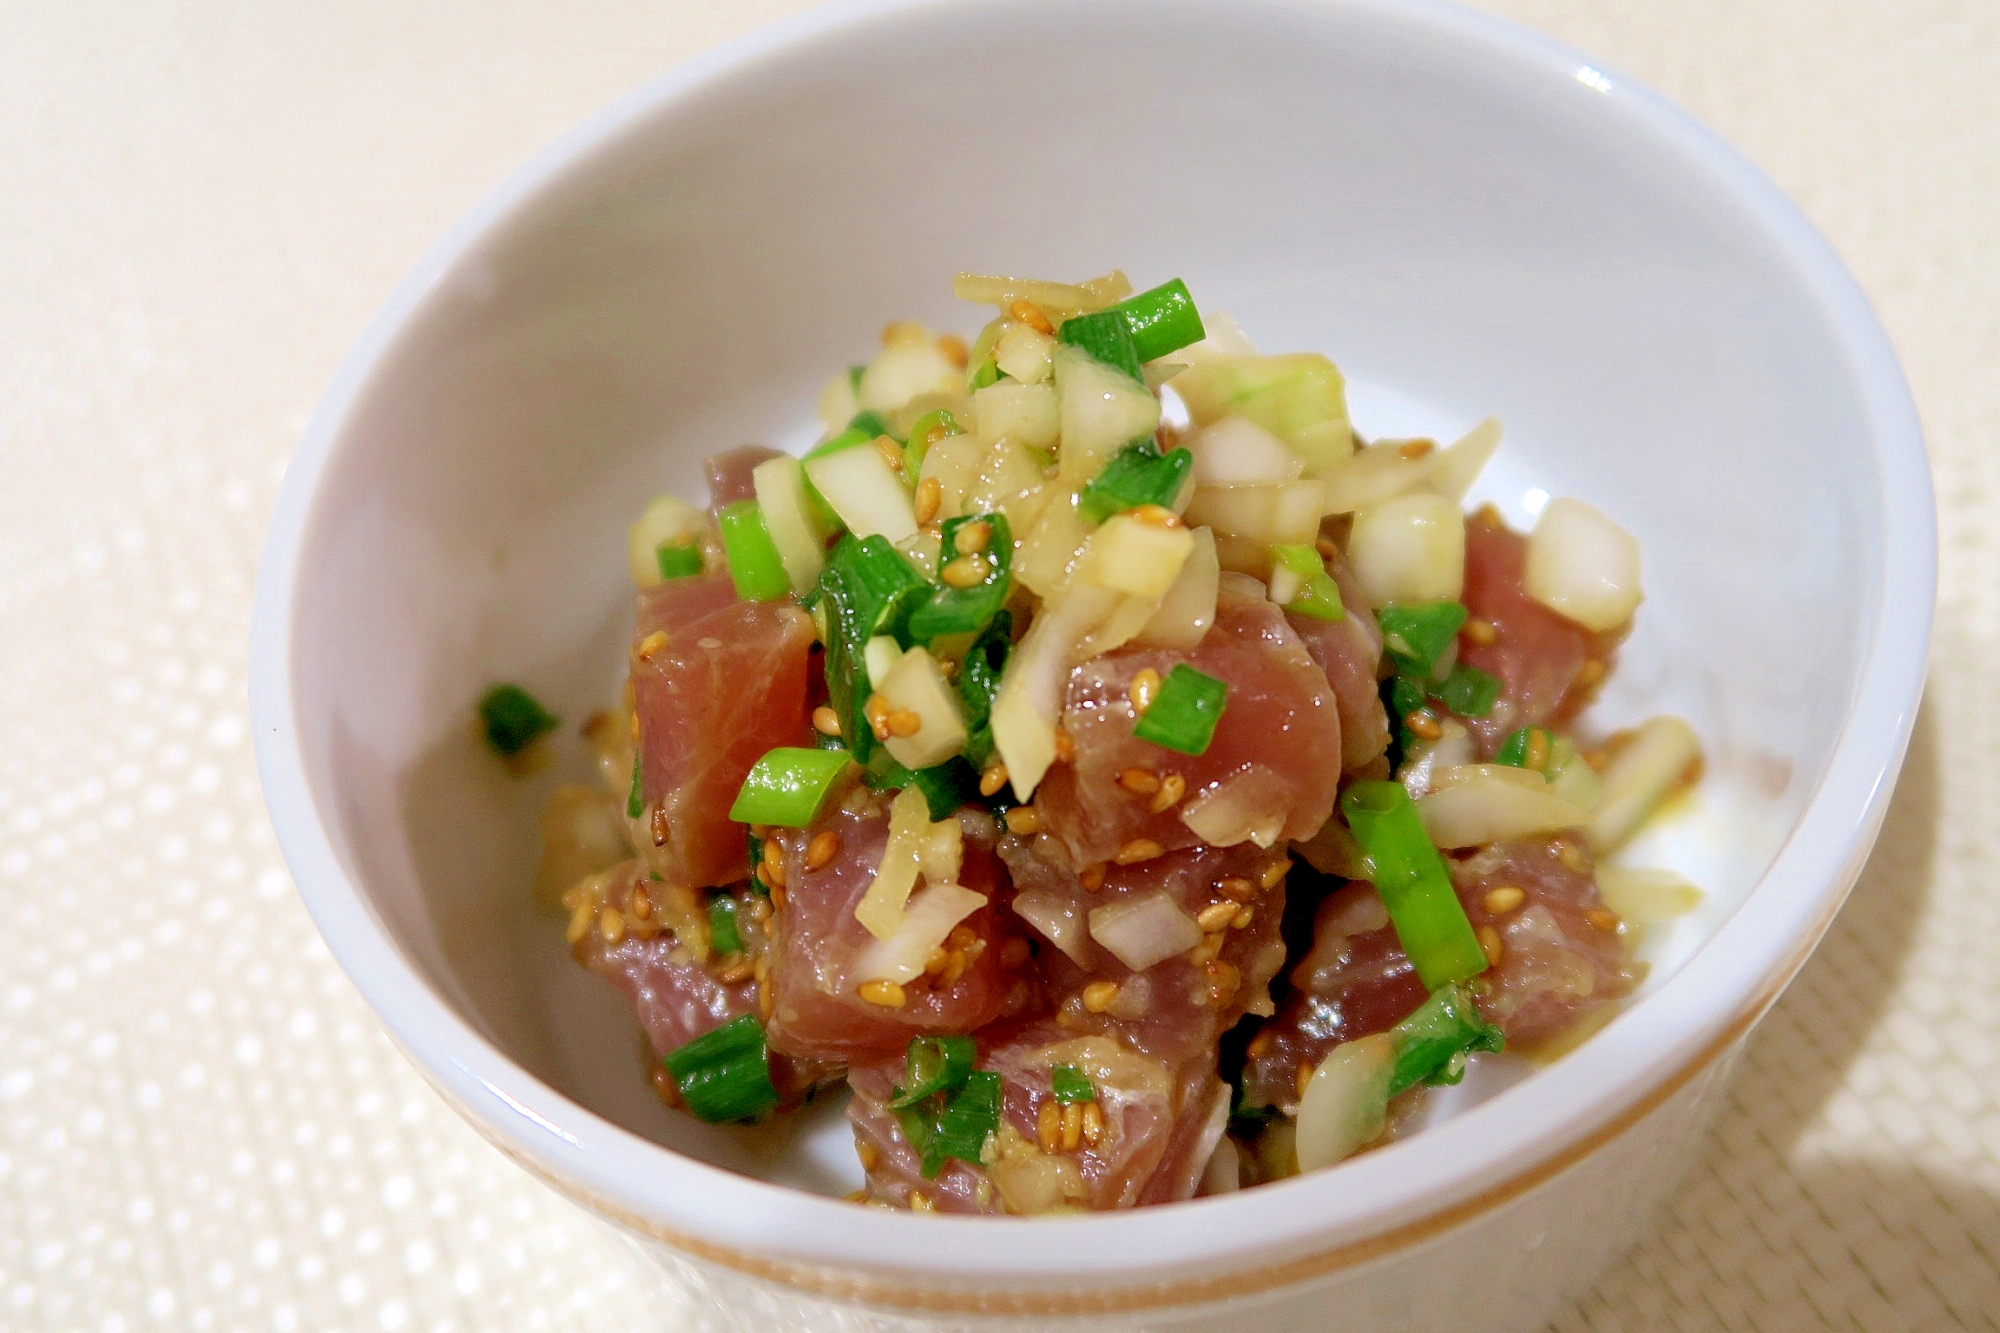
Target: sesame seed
{"x":1091,"y":877}
{"x":954,"y":967}
{"x":1024,"y":820}
{"x":882,"y":994}
{"x":1272,"y":873}
{"x":1603,"y":918}
{"x":1215,"y":916}
{"x":1072,"y":1127}
{"x":822,"y":849}
{"x":1014,"y":953}
{"x":639,"y":903}
{"x":663,"y":1085}
{"x":1423,"y":724}
{"x":1490,"y":945}
{"x":1223,"y":979}
{"x":651,"y":644}
{"x":1481,"y":632}
{"x":892,"y":453}
{"x":1048,"y":1125}
{"x":1065,"y":746}
{"x":1137,"y":850}
{"x":1305,"y":1076}
{"x":825,"y":721}
{"x":611,"y":925}
{"x":937,"y":961}
{"x":1243,"y":890}
{"x":1537,"y":756}
{"x":1588,"y":674}
{"x":870,"y":1155}
{"x":1207,"y":951}
{"x":954,"y":349}
{"x":1144,"y":689}
{"x":1172,"y":787}
{"x":967,"y":571}
{"x":774,"y":865}
{"x":992,"y":778}
{"x":1027,"y":312}
{"x":930,"y":498}
{"x":658,"y":826}
{"x":973,"y":537}
{"x":921,"y":1202}
{"x":737,"y":969}
{"x":579,"y":922}
{"x":777,"y":897}
{"x":962,"y":937}
{"x":1244,"y":916}
{"x":1261,"y":1044}
{"x":905,"y":722}
{"x":876,"y":710}
{"x":1155,"y":516}
{"x":1093,"y":1124}
{"x":1574,"y":858}
{"x":1100,"y":995}
{"x":1326,"y":547}
{"x":1140,"y":781}
{"x":1500,"y":901}
{"x":1415,"y":449}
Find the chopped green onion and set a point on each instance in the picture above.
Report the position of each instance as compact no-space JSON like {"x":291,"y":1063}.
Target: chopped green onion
{"x":1184,"y":714}
{"x":869,"y":423}
{"x":919,"y":443}
{"x":866,"y":589}
{"x":1406,"y":696}
{"x":1411,"y":879}
{"x":757,"y":885}
{"x":1318,"y":595}
{"x":1416,"y":634}
{"x":1136,"y":475}
{"x":946,"y":786}
{"x":1514,"y":749}
{"x":1162,"y":320}
{"x":840,"y":442}
{"x":513,"y":719}
{"x":988,"y":372}
{"x":854,"y":374}
{"x":787,"y":786}
{"x":724,"y":1075}
{"x":1468,"y":691}
{"x":635,"y":799}
{"x":979,"y":680}
{"x":678,"y":559}
{"x":967,"y":610}
{"x":935,"y":1064}
{"x":722,"y":931}
{"x":972,"y":1115}
{"x":1433,"y":1042}
{"x":1106,"y":336}
{"x":753,"y":559}
{"x":1068,"y":1084}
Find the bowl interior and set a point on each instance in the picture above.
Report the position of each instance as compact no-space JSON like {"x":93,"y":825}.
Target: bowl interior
{"x":1464,"y":233}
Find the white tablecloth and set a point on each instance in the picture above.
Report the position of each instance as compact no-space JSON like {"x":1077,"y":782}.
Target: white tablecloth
{"x":200,"y":1125}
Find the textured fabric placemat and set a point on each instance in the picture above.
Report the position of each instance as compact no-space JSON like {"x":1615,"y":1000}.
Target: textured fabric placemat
{"x":201,"y":1126}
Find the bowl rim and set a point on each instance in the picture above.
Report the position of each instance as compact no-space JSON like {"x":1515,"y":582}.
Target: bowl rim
{"x":1242,"y":1242}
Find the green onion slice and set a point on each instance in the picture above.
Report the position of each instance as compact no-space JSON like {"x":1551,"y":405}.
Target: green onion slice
{"x":1433,"y":1042}
{"x":1162,"y":320}
{"x":1416,"y":634}
{"x":724,"y":1075}
{"x":753,"y":559}
{"x":1069,"y":1084}
{"x":941,"y":424}
{"x":678,"y":559}
{"x":1318,"y":595}
{"x":1468,"y":691}
{"x":1406,"y":696}
{"x":1513,"y":751}
{"x":635,"y":798}
{"x":1184,"y":714}
{"x":513,"y":719}
{"x":967,"y":610}
{"x":946,"y":787}
{"x":1106,"y":336}
{"x":987,"y":372}
{"x":722,"y":930}
{"x":979,"y":680}
{"x":866,"y":589}
{"x":1137,"y":475}
{"x":788,"y":786}
{"x":934,"y":1064}
{"x":968,"y":1119}
{"x":1411,"y":878}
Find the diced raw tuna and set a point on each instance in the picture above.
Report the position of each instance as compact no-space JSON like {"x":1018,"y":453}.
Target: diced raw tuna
{"x":729,"y":477}
{"x":1349,"y":650}
{"x":817,"y":1007}
{"x":716,"y":682}
{"x":1275,"y":759}
{"x":1548,"y":666}
{"x":1556,"y":967}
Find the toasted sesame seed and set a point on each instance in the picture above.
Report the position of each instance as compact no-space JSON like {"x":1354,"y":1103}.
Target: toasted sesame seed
{"x":1048,"y":1125}
{"x":1155,"y":516}
{"x":921,"y":1202}
{"x":1588,"y":674}
{"x":1027,"y":312}
{"x":658,"y":825}
{"x":1091,"y":877}
{"x":1065,"y":746}
{"x":1575,"y":859}
{"x":962,"y":937}
{"x":766,"y":1000}
{"x":777,"y":897}
{"x":1244,"y":916}
{"x":1481,"y":632}
{"x":1172,"y":787}
{"x":876,"y":710}
{"x":1490,"y":945}
{"x":1272,"y":873}
{"x":992,"y":778}
{"x":1223,"y":979}
{"x":937,"y":961}
{"x":1207,"y":951}
{"x":1415,"y":449}
{"x":1537,"y":756}
{"x":1603,"y":918}
{"x":1072,"y":1127}
{"x":1014,"y":952}
{"x":579,"y":922}
{"x":663,"y":1085}
{"x":973,"y":537}
{"x":883,"y":994}
{"x":1423,"y":724}
{"x":954,"y":967}
{"x":967,"y":571}
{"x":1261,"y":1044}
{"x":930,"y":498}
{"x":1500,"y":901}
{"x":635,"y":727}
{"x":1141,"y":781}
{"x":1305,"y":1076}
{"x":1136,"y":850}
{"x":1093,"y":1124}
{"x":822,"y":849}
{"x":737,"y":967}
{"x":1326,"y":547}
{"x":1100,"y":995}
{"x":759,"y":909}
{"x":1145,"y":687}
{"x":892,"y":453}
{"x":1215,"y":916}
{"x":651,"y":644}
{"x":905,"y":722}
{"x":611,"y":924}
{"x":1024,"y":820}
{"x":1243,"y":890}
{"x":902,"y":331}
{"x":954,"y":349}
{"x":870,"y":1155}
{"x":774,"y":864}
{"x":825,"y":721}
{"x":639,"y":903}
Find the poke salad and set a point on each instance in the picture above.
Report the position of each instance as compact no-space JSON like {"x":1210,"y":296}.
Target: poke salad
{"x":1125,"y":778}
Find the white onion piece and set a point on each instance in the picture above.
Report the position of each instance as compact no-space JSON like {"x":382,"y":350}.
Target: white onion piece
{"x":903,"y":370}
{"x":1024,"y":354}
{"x":1136,"y":558}
{"x":1188,"y":608}
{"x":1582,"y":565}
{"x":1573,"y":779}
{"x":881,"y":907}
{"x":1119,"y":628}
{"x":1410,"y":548}
{"x":916,"y":684}
{"x":837,"y":403}
{"x":1102,"y":411}
{"x":1144,"y":930}
{"x":667,"y":519}
{"x":1451,"y":472}
{"x":788,"y":514}
{"x":1029,"y":701}
{"x":1285,"y":513}
{"x":879,"y":657}
{"x":1237,"y":451}
{"x":1049,"y":551}
{"x":1025,"y":413}
{"x":1487,"y":808}
{"x":1223,"y":336}
{"x":1646,"y":897}
{"x":1426,"y":758}
{"x":1376,"y":473}
{"x":1224,"y":1172}
{"x":923,"y":927}
{"x":1247,"y":806}
{"x":1639,"y":777}
{"x":1054,"y":299}
{"x":1445,"y":777}
{"x":953,"y":463}
{"x":1057,"y":919}
{"x":1346,"y":1103}
{"x":865,"y":492}
{"x":1010,"y":481}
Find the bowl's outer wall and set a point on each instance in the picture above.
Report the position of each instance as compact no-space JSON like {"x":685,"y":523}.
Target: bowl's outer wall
{"x":1442,"y":204}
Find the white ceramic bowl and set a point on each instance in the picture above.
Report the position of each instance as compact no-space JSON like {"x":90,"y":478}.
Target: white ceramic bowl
{"x":1468,"y":217}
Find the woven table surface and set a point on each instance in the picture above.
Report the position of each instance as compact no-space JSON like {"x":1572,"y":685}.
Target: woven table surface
{"x":201,"y":1126}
